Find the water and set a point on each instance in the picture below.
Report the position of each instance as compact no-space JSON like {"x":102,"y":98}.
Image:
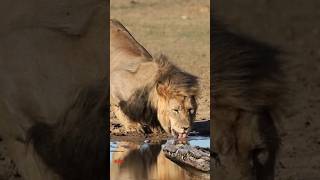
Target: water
{"x":138,"y":160}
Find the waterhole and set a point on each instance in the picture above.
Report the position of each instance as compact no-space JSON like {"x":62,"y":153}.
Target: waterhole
{"x":143,"y":160}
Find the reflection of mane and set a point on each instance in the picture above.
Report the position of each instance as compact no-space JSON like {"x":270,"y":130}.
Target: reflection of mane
{"x":136,"y":162}
{"x":144,"y":158}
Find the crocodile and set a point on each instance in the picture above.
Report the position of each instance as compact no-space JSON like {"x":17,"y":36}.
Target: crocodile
{"x":194,"y":156}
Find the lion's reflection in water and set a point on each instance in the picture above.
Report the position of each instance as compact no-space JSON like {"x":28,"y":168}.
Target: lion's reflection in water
{"x":134,"y":161}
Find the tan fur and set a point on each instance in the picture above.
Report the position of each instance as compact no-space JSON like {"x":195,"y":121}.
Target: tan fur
{"x":145,"y":89}
{"x":246,"y":92}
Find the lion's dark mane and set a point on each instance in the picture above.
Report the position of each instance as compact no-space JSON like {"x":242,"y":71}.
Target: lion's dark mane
{"x":246,"y":72}
{"x":75,"y":147}
{"x":247,"y":79}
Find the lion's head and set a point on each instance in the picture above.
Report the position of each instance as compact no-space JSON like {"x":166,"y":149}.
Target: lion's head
{"x":174,"y":98}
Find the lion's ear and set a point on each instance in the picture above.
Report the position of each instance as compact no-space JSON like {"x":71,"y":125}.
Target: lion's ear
{"x":163,"y":89}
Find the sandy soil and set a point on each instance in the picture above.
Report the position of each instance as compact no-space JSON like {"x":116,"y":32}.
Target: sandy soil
{"x":293,"y":26}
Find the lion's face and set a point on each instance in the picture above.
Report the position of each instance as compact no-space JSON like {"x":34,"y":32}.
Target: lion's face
{"x":177,"y":114}
{"x":246,"y":143}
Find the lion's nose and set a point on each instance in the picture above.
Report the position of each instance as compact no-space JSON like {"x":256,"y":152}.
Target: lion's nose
{"x":185,"y":129}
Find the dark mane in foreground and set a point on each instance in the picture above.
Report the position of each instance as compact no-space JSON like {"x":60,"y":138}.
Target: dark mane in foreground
{"x":246,"y":71}
{"x":75,"y":147}
{"x":247,"y":86}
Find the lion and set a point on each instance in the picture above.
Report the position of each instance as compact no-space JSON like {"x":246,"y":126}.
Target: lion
{"x":54,"y":91}
{"x":147,"y":93}
{"x":247,"y":88}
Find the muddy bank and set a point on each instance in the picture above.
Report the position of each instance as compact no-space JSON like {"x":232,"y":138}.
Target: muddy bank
{"x":199,"y":128}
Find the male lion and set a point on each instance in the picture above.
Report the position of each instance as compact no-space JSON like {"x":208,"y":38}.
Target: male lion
{"x":54,"y":90}
{"x":147,"y":91}
{"x":246,"y":91}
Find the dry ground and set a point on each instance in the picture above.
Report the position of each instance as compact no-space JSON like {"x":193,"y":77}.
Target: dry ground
{"x":293,"y":26}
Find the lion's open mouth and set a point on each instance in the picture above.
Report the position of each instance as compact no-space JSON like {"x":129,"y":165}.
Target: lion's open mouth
{"x":178,"y":135}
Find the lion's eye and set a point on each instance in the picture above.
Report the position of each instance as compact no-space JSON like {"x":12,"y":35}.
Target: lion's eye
{"x":175,"y":110}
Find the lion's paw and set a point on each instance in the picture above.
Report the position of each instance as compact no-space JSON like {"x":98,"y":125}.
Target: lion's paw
{"x":134,"y":128}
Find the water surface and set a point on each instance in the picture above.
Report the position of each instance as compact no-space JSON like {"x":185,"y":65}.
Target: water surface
{"x":141,"y":160}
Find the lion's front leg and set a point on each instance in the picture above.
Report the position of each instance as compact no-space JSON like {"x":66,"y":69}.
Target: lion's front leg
{"x":29,"y":163}
{"x":129,"y":124}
